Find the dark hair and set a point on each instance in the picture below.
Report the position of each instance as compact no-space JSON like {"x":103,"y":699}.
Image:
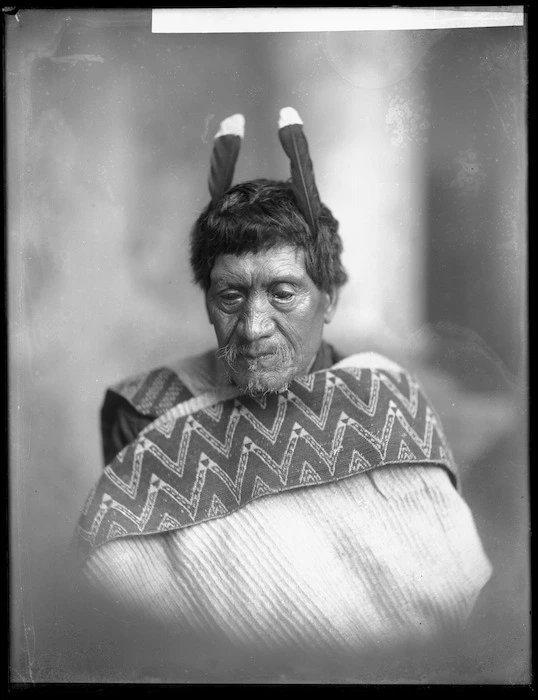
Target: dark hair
{"x":257,"y":215}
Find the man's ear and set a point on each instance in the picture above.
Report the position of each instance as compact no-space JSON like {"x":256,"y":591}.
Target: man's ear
{"x":330,"y":309}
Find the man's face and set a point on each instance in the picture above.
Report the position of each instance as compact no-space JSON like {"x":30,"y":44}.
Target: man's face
{"x":268,"y":316}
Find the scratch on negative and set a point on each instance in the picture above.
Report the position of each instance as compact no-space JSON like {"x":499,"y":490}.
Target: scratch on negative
{"x":499,"y":111}
{"x":208,"y":119}
{"x":29,"y":642}
{"x":76,"y":57}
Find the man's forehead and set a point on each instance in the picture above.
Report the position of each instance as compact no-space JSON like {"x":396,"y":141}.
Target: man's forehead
{"x":276,"y":262}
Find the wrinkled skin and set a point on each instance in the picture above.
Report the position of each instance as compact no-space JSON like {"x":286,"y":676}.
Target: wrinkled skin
{"x":268,"y":316}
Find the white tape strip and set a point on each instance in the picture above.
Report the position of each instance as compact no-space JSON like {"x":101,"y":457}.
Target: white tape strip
{"x":201,"y":20}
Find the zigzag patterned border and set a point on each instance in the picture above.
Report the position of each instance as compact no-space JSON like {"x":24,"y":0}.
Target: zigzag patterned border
{"x":330,"y":425}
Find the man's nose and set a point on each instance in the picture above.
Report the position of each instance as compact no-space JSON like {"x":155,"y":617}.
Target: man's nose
{"x":256,"y":320}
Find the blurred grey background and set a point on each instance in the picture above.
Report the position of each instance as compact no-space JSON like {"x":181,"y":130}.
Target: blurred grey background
{"x":419,"y":144}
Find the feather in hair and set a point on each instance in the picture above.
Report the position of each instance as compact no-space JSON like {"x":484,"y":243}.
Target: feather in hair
{"x":303,"y":184}
{"x":226,"y":147}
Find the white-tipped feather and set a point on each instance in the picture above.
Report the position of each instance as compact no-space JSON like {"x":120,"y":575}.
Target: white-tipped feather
{"x":303,"y":184}
{"x":288,"y":116}
{"x":232,"y":126}
{"x":226,"y":146}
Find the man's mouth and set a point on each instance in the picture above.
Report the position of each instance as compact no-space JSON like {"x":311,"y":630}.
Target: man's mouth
{"x":261,"y":360}
{"x":256,"y":358}
{"x":258,"y":355}
{"x":264,"y":358}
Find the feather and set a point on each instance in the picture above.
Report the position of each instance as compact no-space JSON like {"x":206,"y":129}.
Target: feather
{"x":303,"y":184}
{"x":224,"y":155}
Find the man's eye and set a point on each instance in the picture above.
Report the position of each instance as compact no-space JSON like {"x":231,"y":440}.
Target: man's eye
{"x":230,"y":297}
{"x":283,"y":296}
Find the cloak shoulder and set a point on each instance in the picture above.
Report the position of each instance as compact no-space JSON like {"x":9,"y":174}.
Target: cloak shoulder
{"x":134,"y":403}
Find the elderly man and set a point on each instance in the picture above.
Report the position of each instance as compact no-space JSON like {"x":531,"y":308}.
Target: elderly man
{"x":273,"y":497}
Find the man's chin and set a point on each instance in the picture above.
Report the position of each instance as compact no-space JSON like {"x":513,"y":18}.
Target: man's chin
{"x":262,"y":383}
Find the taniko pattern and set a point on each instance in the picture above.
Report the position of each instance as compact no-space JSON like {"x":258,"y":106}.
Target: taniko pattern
{"x":329,"y":425}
